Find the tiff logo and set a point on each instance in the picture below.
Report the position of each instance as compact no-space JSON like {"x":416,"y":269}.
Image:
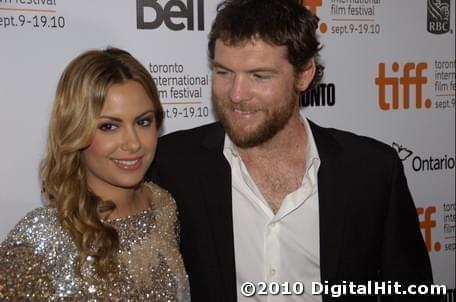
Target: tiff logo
{"x":427,"y":224}
{"x":438,"y":16}
{"x":312,"y":5}
{"x":412,"y":75}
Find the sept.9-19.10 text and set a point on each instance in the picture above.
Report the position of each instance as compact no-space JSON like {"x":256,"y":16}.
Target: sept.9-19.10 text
{"x":186,"y":112}
{"x":35,"y":21}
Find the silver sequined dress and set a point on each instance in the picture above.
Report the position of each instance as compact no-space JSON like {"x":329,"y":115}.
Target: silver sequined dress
{"x":37,"y":259}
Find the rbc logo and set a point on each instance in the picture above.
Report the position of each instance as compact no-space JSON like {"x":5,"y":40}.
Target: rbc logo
{"x":438,"y":16}
{"x":171,"y":14}
{"x":404,"y":81}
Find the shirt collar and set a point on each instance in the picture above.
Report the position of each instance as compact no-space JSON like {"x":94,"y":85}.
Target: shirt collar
{"x":312,"y":156}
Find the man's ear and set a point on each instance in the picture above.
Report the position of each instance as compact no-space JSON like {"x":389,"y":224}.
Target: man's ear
{"x":306,"y":76}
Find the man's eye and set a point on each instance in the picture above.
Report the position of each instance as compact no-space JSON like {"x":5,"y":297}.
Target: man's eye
{"x":221,"y":72}
{"x":261,"y":76}
{"x":107,"y":127}
{"x":145,"y":122}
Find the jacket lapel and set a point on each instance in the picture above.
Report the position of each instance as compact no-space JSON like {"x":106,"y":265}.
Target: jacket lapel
{"x":216,"y":183}
{"x":332,"y":202}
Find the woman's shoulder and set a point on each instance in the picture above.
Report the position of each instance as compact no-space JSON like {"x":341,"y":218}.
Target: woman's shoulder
{"x":39,"y":222}
{"x":28,"y":257}
{"x":41,"y":214}
{"x":159,"y":197}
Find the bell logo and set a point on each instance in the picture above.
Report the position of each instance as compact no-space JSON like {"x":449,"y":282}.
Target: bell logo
{"x":150,"y":14}
{"x":412,"y":75}
{"x":427,"y":224}
{"x":312,"y":5}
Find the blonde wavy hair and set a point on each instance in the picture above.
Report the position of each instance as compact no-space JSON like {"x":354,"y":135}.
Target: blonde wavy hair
{"x":79,"y":98}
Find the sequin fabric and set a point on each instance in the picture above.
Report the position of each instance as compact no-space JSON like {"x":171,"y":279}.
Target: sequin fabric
{"x":37,"y":259}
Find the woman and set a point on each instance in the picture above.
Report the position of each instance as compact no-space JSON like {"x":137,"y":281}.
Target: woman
{"x":105,"y":235}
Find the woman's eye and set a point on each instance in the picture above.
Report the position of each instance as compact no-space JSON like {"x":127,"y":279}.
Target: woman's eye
{"x":107,"y":127}
{"x":145,"y":122}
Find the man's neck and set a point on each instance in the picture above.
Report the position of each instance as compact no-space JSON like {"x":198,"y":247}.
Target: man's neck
{"x":277,"y":167}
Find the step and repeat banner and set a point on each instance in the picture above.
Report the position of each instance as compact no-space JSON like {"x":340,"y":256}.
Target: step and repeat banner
{"x":390,"y":74}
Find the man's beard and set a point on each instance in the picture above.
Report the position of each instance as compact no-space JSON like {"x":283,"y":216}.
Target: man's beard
{"x":273,"y":122}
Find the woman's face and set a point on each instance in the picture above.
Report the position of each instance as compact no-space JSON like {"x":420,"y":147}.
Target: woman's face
{"x":125,"y":140}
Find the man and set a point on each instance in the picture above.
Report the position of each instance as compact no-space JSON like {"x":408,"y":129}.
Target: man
{"x":266,"y":195}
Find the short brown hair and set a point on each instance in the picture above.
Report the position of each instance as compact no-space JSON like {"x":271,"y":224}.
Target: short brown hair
{"x":278,"y":22}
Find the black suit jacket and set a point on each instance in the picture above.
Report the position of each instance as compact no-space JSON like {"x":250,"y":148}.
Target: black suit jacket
{"x":369,"y":228}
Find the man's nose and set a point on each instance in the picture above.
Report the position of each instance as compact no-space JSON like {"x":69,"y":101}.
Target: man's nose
{"x":240,"y":89}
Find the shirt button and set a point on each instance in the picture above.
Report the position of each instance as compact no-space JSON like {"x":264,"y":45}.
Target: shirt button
{"x":272,"y":272}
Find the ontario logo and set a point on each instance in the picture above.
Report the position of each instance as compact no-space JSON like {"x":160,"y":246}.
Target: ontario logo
{"x":425,"y":163}
{"x":403,"y":89}
{"x":402,"y":152}
{"x":438,"y":16}
{"x":313,"y":5}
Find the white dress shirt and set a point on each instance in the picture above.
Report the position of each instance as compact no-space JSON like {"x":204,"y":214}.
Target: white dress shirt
{"x":284,"y":247}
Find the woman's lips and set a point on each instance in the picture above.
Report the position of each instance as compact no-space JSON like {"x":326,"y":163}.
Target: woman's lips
{"x":128,"y":164}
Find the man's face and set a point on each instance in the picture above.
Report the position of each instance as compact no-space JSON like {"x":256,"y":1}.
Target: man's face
{"x":254,"y":89}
